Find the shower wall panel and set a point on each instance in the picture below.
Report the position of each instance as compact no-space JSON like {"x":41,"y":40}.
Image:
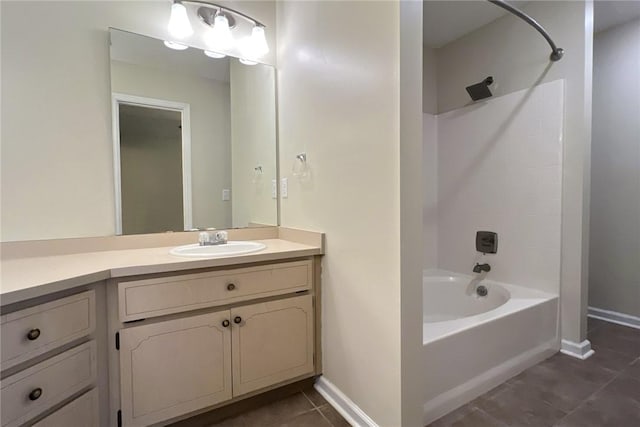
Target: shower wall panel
{"x":500,"y":169}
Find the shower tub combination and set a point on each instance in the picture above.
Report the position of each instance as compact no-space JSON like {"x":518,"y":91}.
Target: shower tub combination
{"x":473,"y":343}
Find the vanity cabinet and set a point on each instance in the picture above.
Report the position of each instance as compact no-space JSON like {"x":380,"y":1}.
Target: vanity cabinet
{"x":49,"y":358}
{"x":254,"y":329}
{"x":174,"y":367}
{"x":272,"y":342}
{"x":33,"y":331}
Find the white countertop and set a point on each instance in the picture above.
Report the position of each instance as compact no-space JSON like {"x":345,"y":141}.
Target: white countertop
{"x":25,"y":278}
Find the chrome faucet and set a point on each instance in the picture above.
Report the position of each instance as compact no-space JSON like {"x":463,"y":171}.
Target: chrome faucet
{"x":206,"y":238}
{"x":479,"y":268}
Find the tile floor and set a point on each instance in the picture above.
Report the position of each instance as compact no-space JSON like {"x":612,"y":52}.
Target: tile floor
{"x":306,"y":408}
{"x":602,"y":391}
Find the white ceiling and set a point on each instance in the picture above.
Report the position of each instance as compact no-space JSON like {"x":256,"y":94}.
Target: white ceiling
{"x":138,"y":49}
{"x":446,"y":21}
{"x":607,"y":14}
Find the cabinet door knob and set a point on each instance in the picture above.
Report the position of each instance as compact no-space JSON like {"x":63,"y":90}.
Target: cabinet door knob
{"x":225,"y":323}
{"x":231,"y":287}
{"x":33,"y":334}
{"x":237,"y":319}
{"x":35,"y":394}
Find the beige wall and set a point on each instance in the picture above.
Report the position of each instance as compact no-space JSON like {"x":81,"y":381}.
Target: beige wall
{"x":56,"y":158}
{"x":615,"y":175}
{"x":253,"y":136}
{"x":411,"y":190}
{"x":518,"y":57}
{"x":210,"y":111}
{"x":338,"y":91}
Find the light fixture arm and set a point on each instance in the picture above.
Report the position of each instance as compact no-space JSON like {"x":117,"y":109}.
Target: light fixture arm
{"x":223,"y":9}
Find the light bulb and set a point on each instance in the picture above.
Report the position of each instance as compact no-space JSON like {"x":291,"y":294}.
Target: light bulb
{"x":219,"y":37}
{"x":212,"y":54}
{"x":246,"y":61}
{"x":179,"y":25}
{"x":258,"y":40}
{"x":175,"y":45}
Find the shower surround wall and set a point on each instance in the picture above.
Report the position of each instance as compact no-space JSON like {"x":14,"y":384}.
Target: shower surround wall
{"x":518,"y":58}
{"x":500,"y":169}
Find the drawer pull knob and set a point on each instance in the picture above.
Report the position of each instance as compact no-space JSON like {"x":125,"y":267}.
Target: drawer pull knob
{"x":225,"y":323}
{"x":33,"y":334}
{"x":231,"y":287}
{"x":237,"y":320}
{"x":35,"y":394}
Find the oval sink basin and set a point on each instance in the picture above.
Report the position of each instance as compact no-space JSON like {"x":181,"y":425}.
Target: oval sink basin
{"x":229,"y":248}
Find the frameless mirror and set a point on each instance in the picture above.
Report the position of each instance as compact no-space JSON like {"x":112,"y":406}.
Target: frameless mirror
{"x":194,"y":138}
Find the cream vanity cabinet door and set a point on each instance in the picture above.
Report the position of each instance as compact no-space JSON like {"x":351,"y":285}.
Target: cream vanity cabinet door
{"x":82,"y":411}
{"x":272,"y":342}
{"x":174,"y":367}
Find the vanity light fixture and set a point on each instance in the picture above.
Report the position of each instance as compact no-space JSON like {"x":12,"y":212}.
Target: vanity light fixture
{"x":215,"y":55}
{"x":179,"y":25}
{"x":219,"y":36}
{"x":175,"y":45}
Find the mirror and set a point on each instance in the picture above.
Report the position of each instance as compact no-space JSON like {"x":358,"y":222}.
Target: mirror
{"x":194,"y":138}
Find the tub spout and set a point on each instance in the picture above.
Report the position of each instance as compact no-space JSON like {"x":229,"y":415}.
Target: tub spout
{"x":479,"y":268}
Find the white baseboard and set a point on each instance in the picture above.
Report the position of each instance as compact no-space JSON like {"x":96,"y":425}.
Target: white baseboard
{"x":475,"y":387}
{"x":615,"y":317}
{"x":345,"y":406}
{"x":578,"y":350}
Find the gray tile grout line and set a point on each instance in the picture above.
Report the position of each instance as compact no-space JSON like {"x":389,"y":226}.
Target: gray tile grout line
{"x":502,"y":424}
{"x":615,"y":377}
{"x":309,"y":399}
{"x":325,"y":418}
{"x":317,"y":408}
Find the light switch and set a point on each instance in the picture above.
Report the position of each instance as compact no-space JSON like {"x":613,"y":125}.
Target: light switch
{"x":226,"y":195}
{"x":284,"y":188}
{"x":274,"y":189}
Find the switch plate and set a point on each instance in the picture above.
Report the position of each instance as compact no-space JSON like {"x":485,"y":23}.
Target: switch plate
{"x":226,"y":195}
{"x":284,"y":188}
{"x":274,"y":189}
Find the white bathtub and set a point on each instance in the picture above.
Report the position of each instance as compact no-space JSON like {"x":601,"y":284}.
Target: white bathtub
{"x":472,"y":344}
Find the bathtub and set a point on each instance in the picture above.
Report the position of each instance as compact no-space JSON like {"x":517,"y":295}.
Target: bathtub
{"x":473,"y":343}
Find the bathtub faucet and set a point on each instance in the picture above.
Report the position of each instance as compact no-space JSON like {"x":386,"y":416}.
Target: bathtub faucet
{"x":479,"y":268}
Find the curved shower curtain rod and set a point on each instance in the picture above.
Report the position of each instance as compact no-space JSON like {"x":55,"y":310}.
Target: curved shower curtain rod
{"x":556,"y":52}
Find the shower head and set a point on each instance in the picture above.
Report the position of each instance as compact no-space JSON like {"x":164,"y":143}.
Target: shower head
{"x":480,"y":90}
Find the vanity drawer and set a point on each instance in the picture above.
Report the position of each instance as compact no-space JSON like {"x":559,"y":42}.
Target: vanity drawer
{"x":82,"y":411}
{"x":36,"y":330}
{"x":36,"y":389}
{"x":141,"y":299}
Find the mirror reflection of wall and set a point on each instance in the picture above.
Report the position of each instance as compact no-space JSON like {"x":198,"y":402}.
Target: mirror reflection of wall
{"x":231,"y":123}
{"x":614,"y":283}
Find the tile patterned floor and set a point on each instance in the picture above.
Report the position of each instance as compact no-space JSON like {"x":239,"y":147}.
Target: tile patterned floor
{"x":306,"y":408}
{"x":602,"y":391}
